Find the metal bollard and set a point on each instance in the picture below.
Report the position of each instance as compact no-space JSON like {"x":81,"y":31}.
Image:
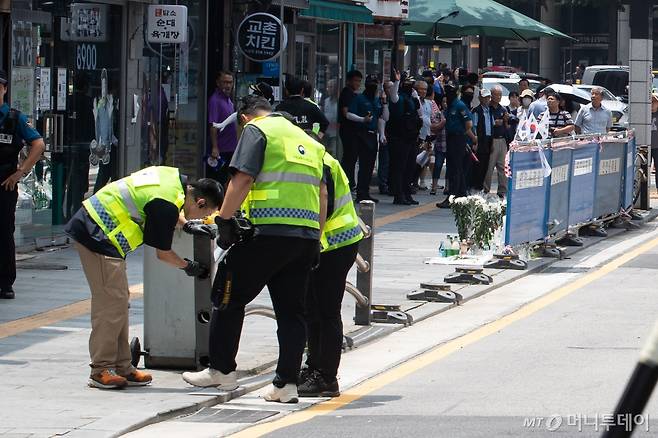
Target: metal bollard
{"x":362,"y":315}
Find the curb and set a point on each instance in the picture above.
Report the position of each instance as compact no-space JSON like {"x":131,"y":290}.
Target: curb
{"x":260,"y":380}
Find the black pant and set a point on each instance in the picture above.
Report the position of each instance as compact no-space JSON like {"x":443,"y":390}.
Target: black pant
{"x":8,"y":201}
{"x":456,"y":158}
{"x":654,"y":159}
{"x":350,"y":154}
{"x":283,"y":265}
{"x":479,"y":170}
{"x":403,"y":166}
{"x":366,"y":144}
{"x":323,"y":319}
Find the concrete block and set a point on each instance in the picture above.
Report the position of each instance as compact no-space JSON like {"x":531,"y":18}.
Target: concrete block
{"x":639,"y":92}
{"x":640,"y":49}
{"x":640,"y":71}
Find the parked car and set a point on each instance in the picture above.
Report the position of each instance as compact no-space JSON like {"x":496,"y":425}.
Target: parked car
{"x":618,"y":108}
{"x":612,"y":77}
{"x":508,"y":84}
{"x":508,"y":75}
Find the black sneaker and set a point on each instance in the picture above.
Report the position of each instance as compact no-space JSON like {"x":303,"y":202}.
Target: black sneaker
{"x":7,"y":293}
{"x":444,"y":204}
{"x":305,"y":373}
{"x":317,"y":386}
{"x":412,"y":201}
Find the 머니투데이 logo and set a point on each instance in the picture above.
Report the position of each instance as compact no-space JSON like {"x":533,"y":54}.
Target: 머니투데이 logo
{"x":301,"y":149}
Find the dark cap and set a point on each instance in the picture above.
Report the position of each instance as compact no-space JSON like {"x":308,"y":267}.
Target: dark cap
{"x":3,"y":77}
{"x":262,"y":89}
{"x":372,"y":78}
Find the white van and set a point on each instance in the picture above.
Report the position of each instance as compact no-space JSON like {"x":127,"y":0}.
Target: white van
{"x":612,"y":77}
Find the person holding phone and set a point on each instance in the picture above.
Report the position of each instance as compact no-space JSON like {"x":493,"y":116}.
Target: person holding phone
{"x":365,"y":111}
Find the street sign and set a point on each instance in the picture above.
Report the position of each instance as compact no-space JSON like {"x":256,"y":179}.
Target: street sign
{"x":260,"y":37}
{"x":167,"y":24}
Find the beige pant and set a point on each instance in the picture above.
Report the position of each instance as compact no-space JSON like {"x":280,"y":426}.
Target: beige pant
{"x":108,"y":342}
{"x":497,"y":161}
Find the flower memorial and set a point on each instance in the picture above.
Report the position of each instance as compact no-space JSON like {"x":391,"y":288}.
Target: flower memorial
{"x":477,"y":219}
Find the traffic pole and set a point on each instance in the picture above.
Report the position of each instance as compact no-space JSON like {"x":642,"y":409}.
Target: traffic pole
{"x":637,"y":392}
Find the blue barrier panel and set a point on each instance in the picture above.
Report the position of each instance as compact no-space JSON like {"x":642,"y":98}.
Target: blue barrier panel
{"x":629,"y":173}
{"x":584,"y":163}
{"x":526,"y":199}
{"x":558,"y":205}
{"x":607,"y":198}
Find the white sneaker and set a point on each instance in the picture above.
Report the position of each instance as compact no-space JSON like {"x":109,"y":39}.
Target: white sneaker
{"x":287,"y":394}
{"x":211,"y":377}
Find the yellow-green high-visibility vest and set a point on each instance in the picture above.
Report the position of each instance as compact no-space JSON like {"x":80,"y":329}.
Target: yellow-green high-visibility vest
{"x":287,"y":189}
{"x":118,"y":208}
{"x":342,"y":227}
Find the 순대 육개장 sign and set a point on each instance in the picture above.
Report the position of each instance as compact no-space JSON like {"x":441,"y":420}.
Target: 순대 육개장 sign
{"x":167,"y":24}
{"x":262,"y":37}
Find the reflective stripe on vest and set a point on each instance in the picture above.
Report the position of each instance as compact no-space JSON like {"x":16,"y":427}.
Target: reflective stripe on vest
{"x":342,"y":201}
{"x":344,"y":236}
{"x":296,"y":213}
{"x":288,"y":177}
{"x":109,"y":223}
{"x":128,"y":202}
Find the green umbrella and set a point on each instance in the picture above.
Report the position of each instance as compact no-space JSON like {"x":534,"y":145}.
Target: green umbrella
{"x":458,"y":18}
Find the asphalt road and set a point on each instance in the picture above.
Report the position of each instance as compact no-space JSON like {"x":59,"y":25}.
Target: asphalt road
{"x":562,"y":368}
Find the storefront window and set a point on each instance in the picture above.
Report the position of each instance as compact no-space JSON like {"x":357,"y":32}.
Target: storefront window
{"x":373,"y":49}
{"x":65,"y":76}
{"x":173,"y":99}
{"x":327,"y":77}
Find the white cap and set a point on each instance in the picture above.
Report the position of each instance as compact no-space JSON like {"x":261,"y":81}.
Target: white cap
{"x":485,"y":92}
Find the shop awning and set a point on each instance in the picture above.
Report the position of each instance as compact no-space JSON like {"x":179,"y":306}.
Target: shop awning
{"x":338,"y":11}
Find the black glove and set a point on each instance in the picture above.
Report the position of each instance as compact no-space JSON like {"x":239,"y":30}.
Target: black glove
{"x":315,"y":264}
{"x":198,"y":229}
{"x":196,"y":269}
{"x":227,"y":230}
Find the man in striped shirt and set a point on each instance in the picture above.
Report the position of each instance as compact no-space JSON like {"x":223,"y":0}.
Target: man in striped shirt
{"x":561,"y":123}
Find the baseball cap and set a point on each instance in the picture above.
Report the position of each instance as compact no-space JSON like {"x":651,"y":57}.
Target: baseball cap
{"x":372,"y":78}
{"x":527,"y":93}
{"x":3,"y":77}
{"x":262,"y":89}
{"x":485,"y":92}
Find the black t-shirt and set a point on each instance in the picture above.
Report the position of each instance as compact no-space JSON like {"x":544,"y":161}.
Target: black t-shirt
{"x":344,"y":101}
{"x":248,"y":158}
{"x":304,"y":112}
{"x":159,"y":224}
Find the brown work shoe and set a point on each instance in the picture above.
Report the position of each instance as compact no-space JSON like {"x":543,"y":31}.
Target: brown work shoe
{"x":107,"y":379}
{"x":138,"y":378}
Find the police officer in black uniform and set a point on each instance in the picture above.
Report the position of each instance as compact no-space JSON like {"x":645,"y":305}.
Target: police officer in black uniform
{"x":14,"y":131}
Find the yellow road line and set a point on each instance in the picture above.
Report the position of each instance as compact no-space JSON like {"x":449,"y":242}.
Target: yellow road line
{"x":50,"y":317}
{"x":405,"y":214}
{"x":83,"y":307}
{"x":443,"y":350}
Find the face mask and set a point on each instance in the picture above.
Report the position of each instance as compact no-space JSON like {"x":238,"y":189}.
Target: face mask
{"x":526,"y":101}
{"x":467,"y":98}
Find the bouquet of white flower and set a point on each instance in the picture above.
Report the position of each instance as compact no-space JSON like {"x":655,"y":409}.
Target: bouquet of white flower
{"x":477,"y":219}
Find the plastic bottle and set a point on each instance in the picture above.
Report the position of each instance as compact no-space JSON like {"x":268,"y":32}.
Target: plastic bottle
{"x":442,"y":249}
{"x":455,"y":247}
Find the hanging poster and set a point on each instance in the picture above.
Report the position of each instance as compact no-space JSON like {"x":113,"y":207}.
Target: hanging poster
{"x":44,"y":89}
{"x":61,"y":89}
{"x":88,"y":22}
{"x":183,"y":73}
{"x":22,"y":89}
